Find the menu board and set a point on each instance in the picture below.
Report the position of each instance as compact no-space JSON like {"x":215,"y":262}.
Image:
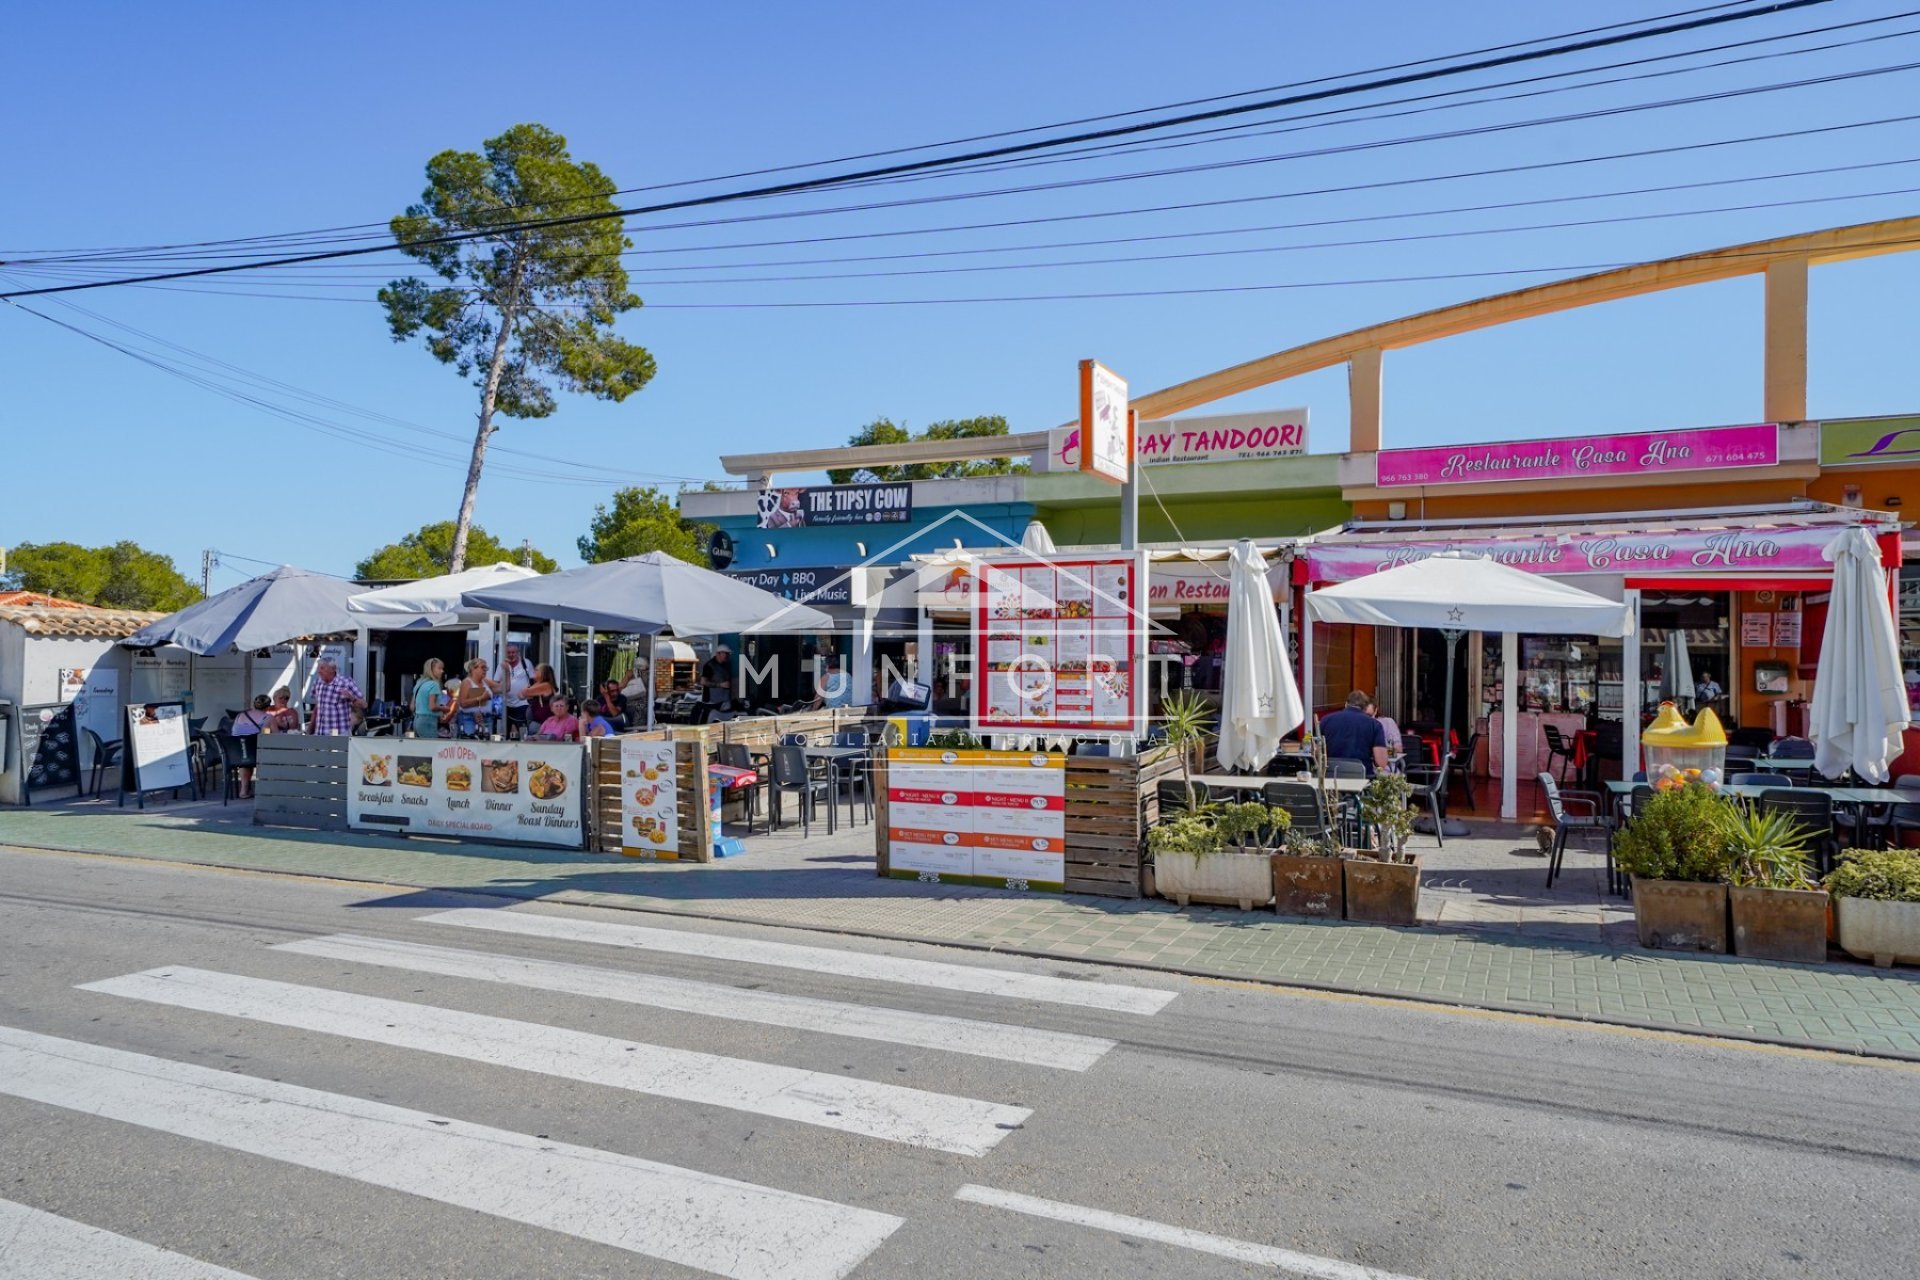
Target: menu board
{"x":518,"y":792}
{"x":157,"y":746}
{"x":1057,"y":643}
{"x":1786,"y":629}
{"x":996,"y":818}
{"x":48,"y":747}
{"x":1756,"y":629}
{"x":649,"y":808}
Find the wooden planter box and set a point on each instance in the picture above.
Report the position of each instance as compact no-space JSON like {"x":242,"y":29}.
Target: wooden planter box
{"x":1309,"y":886}
{"x":1886,"y":933}
{"x":1780,"y":924}
{"x":1680,"y":915}
{"x":1243,"y":880}
{"x":1383,"y":892}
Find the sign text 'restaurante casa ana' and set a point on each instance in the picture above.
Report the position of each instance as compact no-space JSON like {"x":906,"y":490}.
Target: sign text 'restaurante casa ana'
{"x":1651,"y":453}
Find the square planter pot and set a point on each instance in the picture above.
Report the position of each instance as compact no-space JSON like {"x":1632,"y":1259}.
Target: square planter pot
{"x":1383,"y":892}
{"x":1243,"y":880}
{"x":1309,"y":886}
{"x":1886,"y":933}
{"x":1780,"y":924}
{"x":1680,"y":915}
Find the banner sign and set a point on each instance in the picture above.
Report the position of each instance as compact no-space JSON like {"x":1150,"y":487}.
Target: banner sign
{"x":1056,"y":644}
{"x":518,"y":792}
{"x":649,"y":806}
{"x":1106,"y":427}
{"x":831,"y":585}
{"x":1220,"y":437}
{"x":996,"y":818}
{"x":1860,"y":442}
{"x":1793,"y":549}
{"x":1645,"y":454}
{"x":157,"y":746}
{"x":838,"y":504}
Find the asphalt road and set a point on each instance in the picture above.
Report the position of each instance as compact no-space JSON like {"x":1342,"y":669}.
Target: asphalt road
{"x":199,"y":1061}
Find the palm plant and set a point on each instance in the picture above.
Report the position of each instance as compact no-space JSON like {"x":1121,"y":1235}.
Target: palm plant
{"x":1186,"y":717}
{"x":1768,"y":850}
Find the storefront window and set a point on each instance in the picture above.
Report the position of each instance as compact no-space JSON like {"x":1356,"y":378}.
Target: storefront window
{"x":1910,"y":632}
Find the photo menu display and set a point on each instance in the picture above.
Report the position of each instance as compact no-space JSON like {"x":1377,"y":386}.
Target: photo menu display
{"x":521,"y":792}
{"x":977,"y":817}
{"x":1058,"y":644}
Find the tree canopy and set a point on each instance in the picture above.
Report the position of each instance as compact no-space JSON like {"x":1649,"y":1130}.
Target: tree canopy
{"x":885,"y":431}
{"x":428,"y":551}
{"x":122,"y":576}
{"x":642,"y":520}
{"x":528,"y":305}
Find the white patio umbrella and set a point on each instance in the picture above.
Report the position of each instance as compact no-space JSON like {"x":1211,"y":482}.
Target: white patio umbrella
{"x":1259,"y":701}
{"x":1676,"y":681}
{"x":1458,"y":593}
{"x":1859,"y":709}
{"x":433,"y":602}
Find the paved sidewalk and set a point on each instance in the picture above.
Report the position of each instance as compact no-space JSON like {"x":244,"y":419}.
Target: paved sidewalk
{"x":827,"y":883}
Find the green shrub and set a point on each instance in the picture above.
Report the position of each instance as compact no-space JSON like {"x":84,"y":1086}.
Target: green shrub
{"x":1888,"y":875}
{"x":1678,"y":835}
{"x":1188,"y":833}
{"x":1249,"y":824}
{"x":1384,"y":805}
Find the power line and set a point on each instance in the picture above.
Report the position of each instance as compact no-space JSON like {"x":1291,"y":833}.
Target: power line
{"x":1690,"y":24}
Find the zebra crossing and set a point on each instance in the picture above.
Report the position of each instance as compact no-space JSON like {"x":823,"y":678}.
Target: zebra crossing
{"x":714,"y":1224}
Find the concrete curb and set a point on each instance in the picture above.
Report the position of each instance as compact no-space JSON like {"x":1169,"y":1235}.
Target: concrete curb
{"x":593,"y":898}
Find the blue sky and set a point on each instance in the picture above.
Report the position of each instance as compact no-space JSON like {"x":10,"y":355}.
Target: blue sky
{"x":152,"y":124}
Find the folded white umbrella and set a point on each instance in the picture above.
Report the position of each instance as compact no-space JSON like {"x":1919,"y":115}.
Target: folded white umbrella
{"x":1859,"y":710}
{"x":1259,"y":701}
{"x":1676,"y":681}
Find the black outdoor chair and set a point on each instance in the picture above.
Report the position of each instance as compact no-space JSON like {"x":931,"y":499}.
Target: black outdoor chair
{"x":1758,"y":779}
{"x":791,"y":776}
{"x":1343,"y":768}
{"x":1760,"y":741}
{"x":1558,"y":748}
{"x":1813,"y":812}
{"x":106,"y":755}
{"x":1574,"y":813}
{"x":856,"y":773}
{"x":1430,"y":784}
{"x":235,"y":754}
{"x":1173,"y":797}
{"x":1460,"y":769}
{"x":1904,"y":816}
{"x":1300,"y":801}
{"x":1795,"y":749}
{"x":1623,"y":813}
{"x":736,"y":756}
{"x":1738,"y":752}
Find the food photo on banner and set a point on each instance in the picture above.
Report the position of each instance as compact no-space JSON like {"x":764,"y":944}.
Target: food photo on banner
{"x":515,"y":792}
{"x":649,"y":799}
{"x":822,"y":506}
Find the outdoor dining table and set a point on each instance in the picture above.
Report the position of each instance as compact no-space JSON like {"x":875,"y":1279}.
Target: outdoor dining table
{"x":1860,"y":799}
{"x":1256,"y":782}
{"x":838,"y":759}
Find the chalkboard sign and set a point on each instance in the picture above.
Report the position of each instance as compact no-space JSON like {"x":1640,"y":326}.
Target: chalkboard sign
{"x":50,"y":747}
{"x":157,"y":750}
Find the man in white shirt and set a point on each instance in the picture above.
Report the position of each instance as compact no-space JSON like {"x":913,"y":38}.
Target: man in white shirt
{"x":511,"y":680}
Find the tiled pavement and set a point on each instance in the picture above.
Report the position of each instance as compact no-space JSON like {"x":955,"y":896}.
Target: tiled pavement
{"x":1498,"y":941}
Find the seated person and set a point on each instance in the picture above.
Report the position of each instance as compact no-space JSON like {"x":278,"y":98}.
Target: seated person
{"x":560,"y":722}
{"x":1387,"y":726}
{"x":611,"y":705}
{"x":595,"y":725}
{"x":1352,"y":734}
{"x":834,"y":688}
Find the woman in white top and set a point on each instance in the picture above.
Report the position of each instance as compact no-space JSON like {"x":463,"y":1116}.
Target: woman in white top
{"x":249,"y":724}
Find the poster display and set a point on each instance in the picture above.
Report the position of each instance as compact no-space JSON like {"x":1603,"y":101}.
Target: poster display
{"x":995,"y":818}
{"x":1756,"y":630}
{"x":1060,"y":642}
{"x":517,"y":792}
{"x":649,"y":808}
{"x":162,"y":676}
{"x":157,"y":746}
{"x":1106,"y":423}
{"x":1786,"y":629}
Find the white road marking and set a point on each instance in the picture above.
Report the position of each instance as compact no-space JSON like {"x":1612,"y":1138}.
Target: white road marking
{"x":1300,"y":1264}
{"x":733,"y":1229}
{"x":1003,"y":1043}
{"x":37,"y":1245}
{"x":887,"y":1111}
{"x":784,"y":955}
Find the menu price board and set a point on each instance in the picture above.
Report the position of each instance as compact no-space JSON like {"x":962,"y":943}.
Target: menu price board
{"x":1786,"y":629}
{"x":1756,"y":629}
{"x":517,"y":792}
{"x":649,"y":809}
{"x":1058,"y":643}
{"x":157,"y":746}
{"x":48,"y":747}
{"x":995,"y":818}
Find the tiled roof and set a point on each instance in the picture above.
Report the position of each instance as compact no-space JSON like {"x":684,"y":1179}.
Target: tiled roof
{"x":77,"y":620}
{"x":37,"y":599}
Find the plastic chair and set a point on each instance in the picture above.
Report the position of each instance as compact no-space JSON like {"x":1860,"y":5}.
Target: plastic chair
{"x":1569,"y":822}
{"x":1302,"y":805}
{"x":791,"y":776}
{"x":1903,"y":816}
{"x":1343,"y":768}
{"x":235,"y":754}
{"x":736,"y":756}
{"x":1558,"y":748}
{"x":1757,"y":779}
{"x":1173,"y":797}
{"x":1813,"y":812}
{"x":1460,"y":768}
{"x":106,"y":755}
{"x":1430,"y":784}
{"x":1737,"y":751}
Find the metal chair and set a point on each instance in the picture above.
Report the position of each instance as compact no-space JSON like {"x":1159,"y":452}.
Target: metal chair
{"x":1344,"y":768}
{"x":792,"y":776}
{"x":736,"y":756}
{"x":1795,"y":749}
{"x":1904,"y":816}
{"x":235,"y":754}
{"x":1757,"y":779}
{"x":1558,"y":748}
{"x":1739,"y":751}
{"x":1173,"y":797}
{"x":1568,"y":822}
{"x":1460,"y":768}
{"x":1813,"y":812}
{"x":106,"y":755}
{"x":1300,"y":801}
{"x":1430,"y":784}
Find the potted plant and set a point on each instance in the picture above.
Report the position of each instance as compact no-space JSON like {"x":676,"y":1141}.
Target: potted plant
{"x":1779,"y":913}
{"x":1186,"y":717}
{"x":1676,"y":850}
{"x":1307,"y":878}
{"x":1383,"y":883}
{"x":1214,"y":855}
{"x":1876,"y":896}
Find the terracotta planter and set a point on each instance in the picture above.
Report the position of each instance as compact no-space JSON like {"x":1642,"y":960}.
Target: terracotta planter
{"x":1243,"y":880}
{"x":1680,"y":915}
{"x":1886,"y":933}
{"x":1780,"y":924}
{"x":1383,"y":892}
{"x":1309,"y":886}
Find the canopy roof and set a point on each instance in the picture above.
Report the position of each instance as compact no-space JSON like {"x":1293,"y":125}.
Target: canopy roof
{"x":649,"y":594}
{"x":280,"y":605}
{"x":432,"y":602}
{"x":1469,"y":593}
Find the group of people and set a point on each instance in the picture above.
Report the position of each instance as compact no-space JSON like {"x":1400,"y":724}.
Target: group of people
{"x":531,"y":702}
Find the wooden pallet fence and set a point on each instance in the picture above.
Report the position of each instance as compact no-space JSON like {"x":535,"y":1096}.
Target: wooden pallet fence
{"x":1110,"y":804}
{"x":691,"y":748}
{"x":301,"y":781}
{"x":882,"y":858}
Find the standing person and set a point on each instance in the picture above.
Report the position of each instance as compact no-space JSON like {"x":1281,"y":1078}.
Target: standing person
{"x":428,"y":701}
{"x":247,"y":726}
{"x":1352,"y":734}
{"x":475,"y":692}
{"x":540,"y":693}
{"x":716,"y":680}
{"x":335,"y":700}
{"x":284,"y":719}
{"x":511,"y":680}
